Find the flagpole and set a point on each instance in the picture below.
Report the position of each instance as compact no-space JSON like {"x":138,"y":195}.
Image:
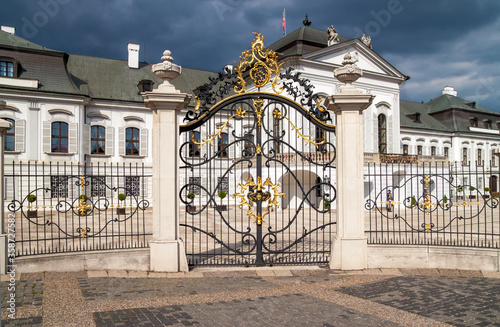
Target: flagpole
{"x":284,"y":22}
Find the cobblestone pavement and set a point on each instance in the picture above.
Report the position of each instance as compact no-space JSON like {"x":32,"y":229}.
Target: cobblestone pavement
{"x":283,"y":296}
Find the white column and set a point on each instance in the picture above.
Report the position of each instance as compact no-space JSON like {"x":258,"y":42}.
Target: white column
{"x":349,"y":250}
{"x":4,"y":126}
{"x":166,"y":248}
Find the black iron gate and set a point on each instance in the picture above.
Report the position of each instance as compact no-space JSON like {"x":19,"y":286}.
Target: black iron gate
{"x":258,"y":168}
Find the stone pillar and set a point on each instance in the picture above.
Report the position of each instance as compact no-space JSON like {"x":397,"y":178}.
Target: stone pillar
{"x":166,"y":102}
{"x":4,"y":126}
{"x":349,"y":250}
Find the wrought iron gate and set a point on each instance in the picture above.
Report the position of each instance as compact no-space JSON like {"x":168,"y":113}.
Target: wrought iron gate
{"x":258,"y":168}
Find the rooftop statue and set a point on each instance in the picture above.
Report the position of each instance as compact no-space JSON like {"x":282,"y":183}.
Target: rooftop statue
{"x":367,"y":41}
{"x":333,"y":36}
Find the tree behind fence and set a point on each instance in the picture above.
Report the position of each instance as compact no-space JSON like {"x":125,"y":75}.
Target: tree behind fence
{"x":66,"y":207}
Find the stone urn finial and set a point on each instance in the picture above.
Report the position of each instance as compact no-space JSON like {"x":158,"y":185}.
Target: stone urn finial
{"x":167,"y":71}
{"x":348,"y":74}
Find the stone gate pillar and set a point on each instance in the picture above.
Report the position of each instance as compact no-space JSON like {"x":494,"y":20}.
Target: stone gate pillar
{"x":349,"y":250}
{"x":166,"y":248}
{"x":4,"y":126}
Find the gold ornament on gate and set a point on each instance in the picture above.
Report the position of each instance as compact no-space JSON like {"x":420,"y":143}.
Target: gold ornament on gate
{"x":262,"y":65}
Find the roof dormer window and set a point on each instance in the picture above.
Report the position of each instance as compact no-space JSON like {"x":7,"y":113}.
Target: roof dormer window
{"x":145,"y":85}
{"x":474,"y":121}
{"x":487,"y":123}
{"x":7,"y":69}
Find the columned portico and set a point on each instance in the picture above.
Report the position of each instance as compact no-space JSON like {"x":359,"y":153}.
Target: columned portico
{"x":166,"y":102}
{"x":349,"y":251}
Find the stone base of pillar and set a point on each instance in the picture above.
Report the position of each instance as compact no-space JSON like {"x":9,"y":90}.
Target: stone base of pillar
{"x":349,"y":254}
{"x":168,"y":256}
{"x":4,"y":254}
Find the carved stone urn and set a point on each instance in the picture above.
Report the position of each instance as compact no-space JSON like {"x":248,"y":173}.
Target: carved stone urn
{"x":348,"y":74}
{"x":167,"y":71}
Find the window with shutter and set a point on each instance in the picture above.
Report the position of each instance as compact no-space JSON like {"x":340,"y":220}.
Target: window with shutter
{"x":109,"y":140}
{"x":9,"y":139}
{"x":20,"y":131}
{"x":143,"y":146}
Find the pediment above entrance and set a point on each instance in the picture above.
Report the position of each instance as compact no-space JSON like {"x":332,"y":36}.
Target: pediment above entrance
{"x":365,"y":58}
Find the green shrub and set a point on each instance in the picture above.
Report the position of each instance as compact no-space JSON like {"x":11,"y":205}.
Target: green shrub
{"x":472,"y":188}
{"x":31,"y":198}
{"x":326,"y":204}
{"x":83,"y":197}
{"x":222,"y":194}
{"x":494,"y":195}
{"x":122,"y":197}
{"x":486,"y":189}
{"x":445,"y":199}
{"x":191,"y":195}
{"x":413,"y":201}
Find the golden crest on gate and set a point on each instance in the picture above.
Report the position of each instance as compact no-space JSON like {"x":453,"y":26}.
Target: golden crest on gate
{"x":262,"y":65}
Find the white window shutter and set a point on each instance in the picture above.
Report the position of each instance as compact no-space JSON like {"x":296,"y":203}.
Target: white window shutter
{"x":121,"y":141}
{"x":86,"y":139}
{"x":47,"y":136}
{"x":145,"y":186}
{"x":110,"y":140}
{"x":390,"y":136}
{"x":20,"y":130}
{"x":73,"y":138}
{"x":143,"y":138}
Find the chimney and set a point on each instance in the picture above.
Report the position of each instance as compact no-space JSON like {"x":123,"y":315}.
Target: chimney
{"x":133,"y":55}
{"x":449,"y":90}
{"x":8,"y":29}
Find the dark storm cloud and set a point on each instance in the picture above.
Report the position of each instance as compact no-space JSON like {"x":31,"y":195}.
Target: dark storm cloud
{"x":437,"y":43}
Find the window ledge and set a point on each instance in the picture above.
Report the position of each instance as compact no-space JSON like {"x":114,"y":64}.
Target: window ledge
{"x":60,"y":153}
{"x":99,"y":155}
{"x":129,"y":156}
{"x":12,"y":152}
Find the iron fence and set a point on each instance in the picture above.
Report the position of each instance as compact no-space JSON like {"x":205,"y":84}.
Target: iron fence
{"x":66,"y":207}
{"x":447,"y":204}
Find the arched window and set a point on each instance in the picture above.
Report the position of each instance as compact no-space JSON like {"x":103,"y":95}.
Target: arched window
{"x":10,"y":137}
{"x":59,"y":139}
{"x":194,"y":149}
{"x":221,"y":143}
{"x":97,"y":140}
{"x":479,"y":157}
{"x":276,"y":134}
{"x":249,"y":145}
{"x":382,"y":134}
{"x":132,"y":141}
{"x":405,"y":149}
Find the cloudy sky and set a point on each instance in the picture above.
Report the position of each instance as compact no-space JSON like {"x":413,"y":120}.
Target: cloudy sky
{"x":435,"y":42}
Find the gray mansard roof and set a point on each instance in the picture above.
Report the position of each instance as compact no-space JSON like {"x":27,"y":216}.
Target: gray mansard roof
{"x":94,"y":77}
{"x":446,"y":113}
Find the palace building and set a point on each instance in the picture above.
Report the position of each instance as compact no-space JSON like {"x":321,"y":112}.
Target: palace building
{"x":74,"y":108}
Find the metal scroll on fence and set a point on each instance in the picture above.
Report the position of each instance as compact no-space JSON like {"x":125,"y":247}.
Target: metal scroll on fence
{"x":71,"y":207}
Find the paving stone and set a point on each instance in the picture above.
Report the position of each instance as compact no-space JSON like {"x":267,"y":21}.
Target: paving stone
{"x":136,"y":274}
{"x":285,"y":310}
{"x":117,"y":273}
{"x":265,"y":273}
{"x":100,"y":289}
{"x":97,"y":273}
{"x":390,"y":271}
{"x":458,"y":301}
{"x":30,"y":321}
{"x":282,"y":272}
{"x":26,"y":293}
{"x":491,"y":274}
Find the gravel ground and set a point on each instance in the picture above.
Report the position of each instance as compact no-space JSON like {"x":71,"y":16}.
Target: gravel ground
{"x":281,"y":296}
